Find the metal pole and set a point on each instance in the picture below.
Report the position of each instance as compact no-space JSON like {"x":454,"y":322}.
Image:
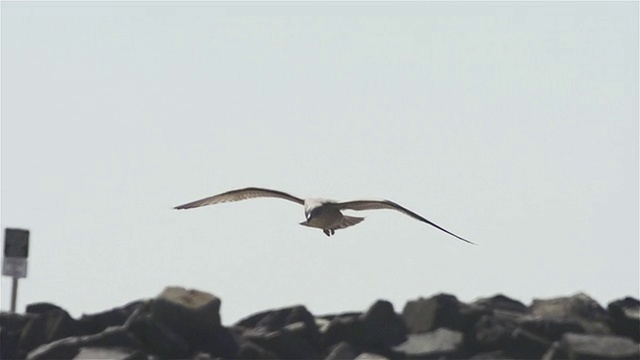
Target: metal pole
{"x":14,"y":294}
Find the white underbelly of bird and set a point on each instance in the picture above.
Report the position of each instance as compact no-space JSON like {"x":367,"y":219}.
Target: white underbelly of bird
{"x":319,"y":213}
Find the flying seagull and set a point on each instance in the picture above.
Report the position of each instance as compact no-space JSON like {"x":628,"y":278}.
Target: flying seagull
{"x":320,"y":213}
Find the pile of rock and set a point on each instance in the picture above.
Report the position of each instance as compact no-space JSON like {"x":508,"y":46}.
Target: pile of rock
{"x":185,"y":324}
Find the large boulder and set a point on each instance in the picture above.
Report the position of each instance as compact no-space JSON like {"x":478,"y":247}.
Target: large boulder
{"x":442,"y":310}
{"x":378,"y":328}
{"x":499,"y":333}
{"x":440,"y":343}
{"x":179,"y":323}
{"x":579,"y":308}
{"x":589,"y":346}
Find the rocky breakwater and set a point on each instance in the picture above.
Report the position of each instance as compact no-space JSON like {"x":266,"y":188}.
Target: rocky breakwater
{"x":185,"y":324}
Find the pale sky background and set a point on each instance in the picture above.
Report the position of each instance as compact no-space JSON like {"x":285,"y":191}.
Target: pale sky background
{"x":514,"y":125}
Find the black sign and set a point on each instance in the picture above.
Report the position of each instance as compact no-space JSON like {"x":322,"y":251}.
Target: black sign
{"x":16,"y":243}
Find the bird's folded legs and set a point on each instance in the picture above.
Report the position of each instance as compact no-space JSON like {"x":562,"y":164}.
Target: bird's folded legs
{"x":328,"y":232}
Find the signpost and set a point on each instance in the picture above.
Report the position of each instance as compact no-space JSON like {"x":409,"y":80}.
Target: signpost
{"x":14,"y":262}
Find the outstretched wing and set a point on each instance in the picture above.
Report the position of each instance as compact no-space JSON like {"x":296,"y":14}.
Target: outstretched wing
{"x":241,"y":194}
{"x":386,"y":204}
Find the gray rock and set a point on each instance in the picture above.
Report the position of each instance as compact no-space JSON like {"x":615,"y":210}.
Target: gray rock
{"x":440,"y":342}
{"x":625,"y":317}
{"x":342,"y":351}
{"x":588,"y":346}
{"x":371,"y":356}
{"x":113,"y":353}
{"x":579,"y":308}
{"x":186,"y":311}
{"x":442,"y":310}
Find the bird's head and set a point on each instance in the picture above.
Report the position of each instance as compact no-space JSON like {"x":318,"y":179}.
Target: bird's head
{"x":312,"y":207}
{"x":311,"y":213}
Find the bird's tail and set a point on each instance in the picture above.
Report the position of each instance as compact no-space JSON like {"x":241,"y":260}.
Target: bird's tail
{"x":348,"y":221}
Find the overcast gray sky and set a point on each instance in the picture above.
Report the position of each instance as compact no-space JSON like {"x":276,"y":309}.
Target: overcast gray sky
{"x":514,"y":125}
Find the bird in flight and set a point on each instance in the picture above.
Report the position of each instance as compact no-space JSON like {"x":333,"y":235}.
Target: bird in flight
{"x":320,"y":213}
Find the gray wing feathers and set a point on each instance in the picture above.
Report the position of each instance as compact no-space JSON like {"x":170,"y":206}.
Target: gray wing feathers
{"x":240,"y":194}
{"x":386,"y":204}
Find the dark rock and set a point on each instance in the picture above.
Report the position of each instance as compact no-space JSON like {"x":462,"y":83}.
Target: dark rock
{"x":352,"y":314}
{"x":276,"y":319}
{"x":14,"y":322}
{"x":67,"y":348}
{"x":437,"y":343}
{"x":9,"y":342}
{"x":296,"y":319}
{"x":45,"y":328}
{"x":384,"y":327}
{"x":158,"y":338}
{"x":501,"y":302}
{"x":348,"y":329}
{"x":551,"y":328}
{"x":117,"y":336}
{"x":580,"y":307}
{"x":11,"y":326}
{"x":63,"y":349}
{"x":218,"y":342}
{"x":442,"y":310}
{"x":492,"y":333}
{"x":493,"y":355}
{"x":95,"y":323}
{"x":42,"y":308}
{"x":379,"y":327}
{"x":284,"y":343}
{"x":250,"y":350}
{"x":588,"y":346}
{"x":342,"y":351}
{"x":180,"y":323}
{"x":625,"y":317}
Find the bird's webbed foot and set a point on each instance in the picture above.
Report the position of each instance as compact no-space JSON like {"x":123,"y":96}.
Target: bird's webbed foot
{"x":328,"y":232}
